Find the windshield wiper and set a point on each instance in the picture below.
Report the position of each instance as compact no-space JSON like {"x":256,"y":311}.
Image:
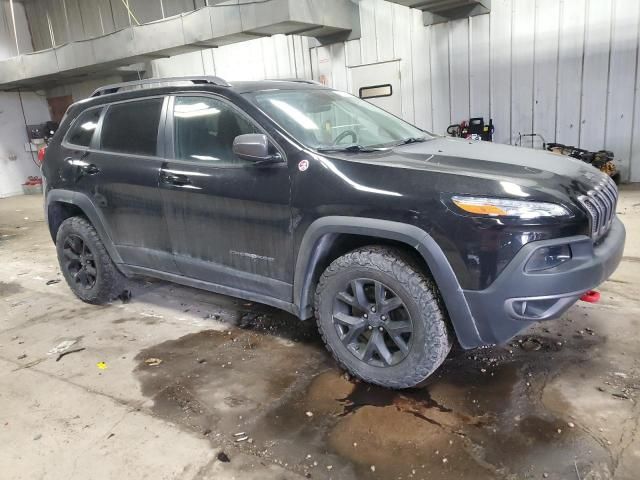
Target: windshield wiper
{"x":351,"y":149}
{"x":409,"y":140}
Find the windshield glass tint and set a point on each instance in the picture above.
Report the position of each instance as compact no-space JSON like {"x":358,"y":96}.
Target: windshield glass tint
{"x":329,"y":118}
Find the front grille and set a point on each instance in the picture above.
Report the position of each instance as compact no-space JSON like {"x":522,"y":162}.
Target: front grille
{"x":601,"y":205}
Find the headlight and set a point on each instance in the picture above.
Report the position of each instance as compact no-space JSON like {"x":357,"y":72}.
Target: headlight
{"x":500,"y":207}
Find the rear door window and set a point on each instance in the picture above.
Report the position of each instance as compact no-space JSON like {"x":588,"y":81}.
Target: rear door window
{"x":132,"y":127}
{"x":83,"y":128}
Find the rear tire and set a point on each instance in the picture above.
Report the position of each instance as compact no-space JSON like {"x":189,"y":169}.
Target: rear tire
{"x":85,"y":263}
{"x":380,"y":317}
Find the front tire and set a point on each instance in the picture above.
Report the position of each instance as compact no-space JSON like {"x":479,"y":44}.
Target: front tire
{"x":380,"y":317}
{"x":85,"y":263}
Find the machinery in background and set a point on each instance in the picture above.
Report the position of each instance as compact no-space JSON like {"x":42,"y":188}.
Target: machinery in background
{"x":474,"y":129}
{"x":42,"y":132}
{"x":39,"y":137}
{"x":602,"y":159}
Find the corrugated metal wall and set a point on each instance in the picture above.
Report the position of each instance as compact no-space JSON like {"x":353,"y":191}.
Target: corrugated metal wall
{"x":565,"y":69}
{"x":8,"y":45}
{"x":56,"y":22}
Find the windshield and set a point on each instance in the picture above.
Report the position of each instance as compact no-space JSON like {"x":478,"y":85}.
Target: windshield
{"x":334,"y":120}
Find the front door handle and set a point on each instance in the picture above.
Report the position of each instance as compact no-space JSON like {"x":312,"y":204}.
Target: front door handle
{"x":174,"y":178}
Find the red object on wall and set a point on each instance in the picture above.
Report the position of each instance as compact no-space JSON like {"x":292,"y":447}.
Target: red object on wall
{"x":41,"y":153}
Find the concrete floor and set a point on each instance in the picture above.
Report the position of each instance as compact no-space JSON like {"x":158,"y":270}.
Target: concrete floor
{"x":253,"y":384}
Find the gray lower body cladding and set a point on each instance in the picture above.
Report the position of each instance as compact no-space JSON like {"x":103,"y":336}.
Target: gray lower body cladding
{"x":518,"y":298}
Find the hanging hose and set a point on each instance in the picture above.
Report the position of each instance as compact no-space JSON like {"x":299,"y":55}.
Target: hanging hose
{"x":24,"y":116}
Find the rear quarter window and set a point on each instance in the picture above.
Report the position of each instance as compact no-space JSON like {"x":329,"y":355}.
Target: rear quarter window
{"x":132,"y":127}
{"x":81,"y":133}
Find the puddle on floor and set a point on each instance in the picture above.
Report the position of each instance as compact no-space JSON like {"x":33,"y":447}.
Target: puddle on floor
{"x":480,"y":416}
{"x":213,"y":381}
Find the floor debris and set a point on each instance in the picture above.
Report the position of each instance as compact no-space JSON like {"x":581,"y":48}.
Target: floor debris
{"x":67,"y":352}
{"x":223,"y":457}
{"x":531,"y":345}
{"x":153,"y":362}
{"x":63,"y":346}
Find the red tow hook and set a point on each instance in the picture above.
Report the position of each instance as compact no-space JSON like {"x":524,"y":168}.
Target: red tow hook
{"x":591,"y":296}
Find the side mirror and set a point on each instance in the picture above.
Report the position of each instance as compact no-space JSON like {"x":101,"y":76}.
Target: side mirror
{"x":254,"y":147}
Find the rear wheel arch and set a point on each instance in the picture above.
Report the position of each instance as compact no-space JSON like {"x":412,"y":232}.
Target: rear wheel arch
{"x":63,"y":204}
{"x":330,"y":237}
{"x":58,"y":212}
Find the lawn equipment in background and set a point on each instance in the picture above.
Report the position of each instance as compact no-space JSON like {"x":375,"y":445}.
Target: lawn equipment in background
{"x":475,"y":129}
{"x":602,"y":159}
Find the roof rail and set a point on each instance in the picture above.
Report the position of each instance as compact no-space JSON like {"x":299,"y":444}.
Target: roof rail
{"x":297,"y":80}
{"x":116,"y":87}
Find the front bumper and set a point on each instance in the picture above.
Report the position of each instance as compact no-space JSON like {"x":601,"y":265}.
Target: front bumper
{"x":517,"y":298}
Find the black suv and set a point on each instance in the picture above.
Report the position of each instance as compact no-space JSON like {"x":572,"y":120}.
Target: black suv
{"x":314,"y":201}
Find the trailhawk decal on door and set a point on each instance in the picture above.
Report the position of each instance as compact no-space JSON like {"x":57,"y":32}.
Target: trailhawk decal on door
{"x":252,"y":256}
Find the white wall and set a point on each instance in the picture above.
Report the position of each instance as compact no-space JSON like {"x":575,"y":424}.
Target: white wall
{"x":565,"y":69}
{"x":80,"y":90}
{"x":278,"y":56}
{"x":16,"y":163}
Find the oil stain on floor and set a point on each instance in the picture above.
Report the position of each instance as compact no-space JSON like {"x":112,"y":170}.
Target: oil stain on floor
{"x":267,"y":387}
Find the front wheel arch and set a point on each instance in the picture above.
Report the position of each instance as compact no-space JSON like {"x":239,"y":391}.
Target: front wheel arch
{"x":318,"y":249}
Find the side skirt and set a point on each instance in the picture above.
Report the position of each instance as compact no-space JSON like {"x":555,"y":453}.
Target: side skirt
{"x":211,"y":287}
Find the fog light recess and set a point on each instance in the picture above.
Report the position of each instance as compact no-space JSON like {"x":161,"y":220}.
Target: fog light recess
{"x":548,"y":257}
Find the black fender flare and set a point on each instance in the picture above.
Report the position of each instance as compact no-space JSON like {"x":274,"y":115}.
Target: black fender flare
{"x":452,"y":294}
{"x":84,"y":203}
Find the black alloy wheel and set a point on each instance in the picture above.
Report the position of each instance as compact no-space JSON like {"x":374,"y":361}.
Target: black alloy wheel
{"x":373,"y":323}
{"x":79,"y":262}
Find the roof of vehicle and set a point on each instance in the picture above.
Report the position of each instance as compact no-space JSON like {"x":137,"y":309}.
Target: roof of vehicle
{"x":202,"y":81}
{"x":255,"y":86}
{"x":163,"y":86}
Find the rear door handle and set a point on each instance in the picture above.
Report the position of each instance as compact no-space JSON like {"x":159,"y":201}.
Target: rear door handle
{"x":89,"y":169}
{"x":174,"y":178}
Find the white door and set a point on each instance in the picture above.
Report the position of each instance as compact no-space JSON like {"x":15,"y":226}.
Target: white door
{"x":378,"y":83}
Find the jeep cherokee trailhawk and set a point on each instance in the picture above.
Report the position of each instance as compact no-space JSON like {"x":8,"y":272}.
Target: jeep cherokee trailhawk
{"x":319,"y":203}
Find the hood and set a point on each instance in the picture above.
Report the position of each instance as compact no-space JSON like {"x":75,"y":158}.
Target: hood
{"x":528,"y":168}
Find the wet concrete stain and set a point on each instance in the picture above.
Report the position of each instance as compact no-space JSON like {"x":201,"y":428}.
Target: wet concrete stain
{"x":145,"y":320}
{"x":9,"y":288}
{"x":212,"y":380}
{"x":480,"y":416}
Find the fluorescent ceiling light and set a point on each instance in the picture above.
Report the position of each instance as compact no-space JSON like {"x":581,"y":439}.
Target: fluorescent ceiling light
{"x":197,"y":113}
